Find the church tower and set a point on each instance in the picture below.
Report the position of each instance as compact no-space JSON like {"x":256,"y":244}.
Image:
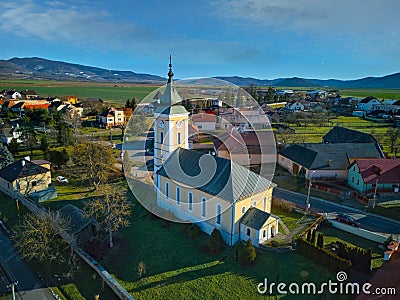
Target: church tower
{"x":170,"y":124}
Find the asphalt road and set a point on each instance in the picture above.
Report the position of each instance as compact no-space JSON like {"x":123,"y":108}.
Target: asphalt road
{"x":29,"y":284}
{"x":367,"y":221}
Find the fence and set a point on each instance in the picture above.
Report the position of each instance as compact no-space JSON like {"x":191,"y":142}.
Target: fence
{"x":373,"y":236}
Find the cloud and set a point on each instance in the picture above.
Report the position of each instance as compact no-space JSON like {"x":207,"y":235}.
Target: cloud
{"x":356,"y":26}
{"x":76,"y":24}
{"x":71,"y":25}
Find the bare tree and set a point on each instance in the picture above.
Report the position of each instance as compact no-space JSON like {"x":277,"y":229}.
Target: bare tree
{"x":111,"y":209}
{"x":39,"y":238}
{"x":93,"y":162}
{"x":393,"y":135}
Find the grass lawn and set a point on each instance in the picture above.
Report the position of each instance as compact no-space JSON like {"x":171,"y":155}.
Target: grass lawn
{"x":291,"y":219}
{"x":332,"y":234}
{"x":389,"y":211}
{"x":86,"y":283}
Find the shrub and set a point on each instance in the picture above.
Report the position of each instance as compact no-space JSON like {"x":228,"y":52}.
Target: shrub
{"x":282,"y":205}
{"x":141,"y":269}
{"x":215,"y":243}
{"x":192,"y":230}
{"x":322,"y":256}
{"x":247,"y":253}
{"x":313,"y":237}
{"x":320,"y":240}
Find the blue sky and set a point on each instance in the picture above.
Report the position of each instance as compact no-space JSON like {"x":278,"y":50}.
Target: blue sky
{"x":266,"y":39}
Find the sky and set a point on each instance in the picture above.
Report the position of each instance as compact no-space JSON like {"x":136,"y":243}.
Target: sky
{"x":265,"y":39}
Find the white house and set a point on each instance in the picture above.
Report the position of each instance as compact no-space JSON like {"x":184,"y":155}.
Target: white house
{"x":368,"y":104}
{"x":295,"y":106}
{"x":205,"y":122}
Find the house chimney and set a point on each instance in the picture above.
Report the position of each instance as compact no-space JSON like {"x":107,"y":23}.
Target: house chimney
{"x":23,"y":162}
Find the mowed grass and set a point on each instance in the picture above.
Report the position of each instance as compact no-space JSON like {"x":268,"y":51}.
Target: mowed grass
{"x":177,"y":268}
{"x":332,"y":234}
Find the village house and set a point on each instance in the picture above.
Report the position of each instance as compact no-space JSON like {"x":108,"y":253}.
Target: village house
{"x":324,"y":160}
{"x":7,"y":134}
{"x":295,"y":105}
{"x":218,"y":199}
{"x":111,"y":117}
{"x":204,"y":122}
{"x":29,"y":94}
{"x":25,"y":176}
{"x":367,"y":174}
{"x":368,"y":104}
{"x":245,"y":148}
{"x":338,"y":135}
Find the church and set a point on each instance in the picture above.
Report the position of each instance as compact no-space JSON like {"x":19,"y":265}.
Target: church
{"x":212,"y":192}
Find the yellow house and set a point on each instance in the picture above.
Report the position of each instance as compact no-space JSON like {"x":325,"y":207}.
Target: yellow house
{"x":25,"y":176}
{"x":72,"y":99}
{"x":212,"y":192}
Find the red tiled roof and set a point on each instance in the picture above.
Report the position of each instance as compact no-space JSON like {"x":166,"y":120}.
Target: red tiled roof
{"x":385,"y":170}
{"x":204,"y":118}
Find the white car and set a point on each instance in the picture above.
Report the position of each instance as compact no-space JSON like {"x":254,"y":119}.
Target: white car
{"x":62,"y":179}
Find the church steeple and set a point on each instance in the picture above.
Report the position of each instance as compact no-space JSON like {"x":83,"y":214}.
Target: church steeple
{"x":170,"y":73}
{"x":170,"y":123}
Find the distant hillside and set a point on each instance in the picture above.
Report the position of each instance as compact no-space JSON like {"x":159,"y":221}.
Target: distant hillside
{"x":388,"y":81}
{"x":39,"y":68}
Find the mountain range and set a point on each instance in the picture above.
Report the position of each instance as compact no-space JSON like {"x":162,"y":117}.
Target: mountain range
{"x":39,"y":68}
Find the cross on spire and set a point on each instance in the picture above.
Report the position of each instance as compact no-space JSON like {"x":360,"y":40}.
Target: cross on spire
{"x":170,"y":73}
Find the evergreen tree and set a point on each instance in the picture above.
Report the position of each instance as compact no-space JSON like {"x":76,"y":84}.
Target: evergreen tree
{"x":308,"y":237}
{"x":14,"y":146}
{"x":44,"y":145}
{"x":320,"y":240}
{"x":313,"y":237}
{"x":6,"y":158}
{"x":247,"y":253}
{"x":215,"y":243}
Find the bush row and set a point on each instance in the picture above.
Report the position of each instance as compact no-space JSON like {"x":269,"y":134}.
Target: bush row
{"x":322,"y":256}
{"x":360,"y":258}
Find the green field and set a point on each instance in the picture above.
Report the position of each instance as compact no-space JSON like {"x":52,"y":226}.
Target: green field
{"x":115,"y":93}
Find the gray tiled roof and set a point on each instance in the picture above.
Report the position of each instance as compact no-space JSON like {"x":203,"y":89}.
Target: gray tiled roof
{"x":344,"y":135}
{"x":254,"y":218}
{"x":216,"y":176}
{"x":329,"y":156}
{"x":76,"y":218}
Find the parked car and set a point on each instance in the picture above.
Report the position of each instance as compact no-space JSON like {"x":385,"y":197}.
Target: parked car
{"x":347,"y":220}
{"x":62,"y":179}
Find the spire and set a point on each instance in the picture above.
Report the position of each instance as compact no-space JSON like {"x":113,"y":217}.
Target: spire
{"x":170,"y":73}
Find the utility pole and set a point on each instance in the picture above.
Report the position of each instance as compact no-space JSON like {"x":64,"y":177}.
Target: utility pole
{"x":308,"y":196}
{"x":376,"y":187}
{"x":309,"y":191}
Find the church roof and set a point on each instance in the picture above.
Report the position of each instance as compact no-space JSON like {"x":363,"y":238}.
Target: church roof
{"x":255,"y":218}
{"x":216,"y":176}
